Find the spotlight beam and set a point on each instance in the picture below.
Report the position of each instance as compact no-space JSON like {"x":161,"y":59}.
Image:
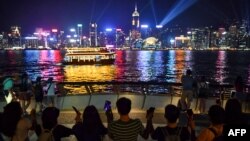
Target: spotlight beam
{"x":104,"y":10}
{"x":180,"y":7}
{"x":153,"y":10}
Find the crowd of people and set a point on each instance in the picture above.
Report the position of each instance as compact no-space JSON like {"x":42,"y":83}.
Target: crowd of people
{"x":17,"y":125}
{"x":25,"y":89}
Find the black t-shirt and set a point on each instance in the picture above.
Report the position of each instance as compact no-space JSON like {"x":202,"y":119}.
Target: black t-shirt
{"x":159,"y":134}
{"x":61,"y":131}
{"x":82,"y":133}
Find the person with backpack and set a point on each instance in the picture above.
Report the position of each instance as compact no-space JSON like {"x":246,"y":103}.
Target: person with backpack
{"x":25,"y":92}
{"x":173,"y":132}
{"x":215,"y":132}
{"x":38,"y":92}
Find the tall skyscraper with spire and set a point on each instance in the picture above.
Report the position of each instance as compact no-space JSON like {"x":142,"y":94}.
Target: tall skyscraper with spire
{"x":135,"y":32}
{"x":135,"y":19}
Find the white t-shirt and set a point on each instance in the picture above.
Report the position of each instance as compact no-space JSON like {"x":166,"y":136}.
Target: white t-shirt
{"x":51,"y":90}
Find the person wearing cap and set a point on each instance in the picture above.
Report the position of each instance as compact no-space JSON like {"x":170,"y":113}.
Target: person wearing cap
{"x":8,"y":84}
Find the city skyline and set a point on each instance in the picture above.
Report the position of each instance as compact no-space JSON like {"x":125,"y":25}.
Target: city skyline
{"x":63,"y":14}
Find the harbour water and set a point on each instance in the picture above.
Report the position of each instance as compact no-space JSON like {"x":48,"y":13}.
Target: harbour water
{"x":163,"y":66}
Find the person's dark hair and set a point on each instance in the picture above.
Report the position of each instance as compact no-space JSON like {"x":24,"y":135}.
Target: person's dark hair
{"x":38,"y":79}
{"x":11,"y":115}
{"x":50,"y":79}
{"x":233,"y":113}
{"x":188,"y":72}
{"x":91,"y":119}
{"x":172,"y":113}
{"x":123,"y":105}
{"x":49,"y":117}
{"x":216,"y":114}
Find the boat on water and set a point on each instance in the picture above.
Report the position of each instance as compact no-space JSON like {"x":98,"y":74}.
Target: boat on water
{"x":89,"y":56}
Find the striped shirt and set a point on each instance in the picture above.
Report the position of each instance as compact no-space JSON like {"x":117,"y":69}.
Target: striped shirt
{"x":125,"y":131}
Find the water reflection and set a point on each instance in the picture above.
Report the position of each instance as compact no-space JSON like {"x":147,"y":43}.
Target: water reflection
{"x":179,"y":64}
{"x":220,"y":74}
{"x":88,"y":73}
{"x":45,"y":63}
{"x":169,"y":66}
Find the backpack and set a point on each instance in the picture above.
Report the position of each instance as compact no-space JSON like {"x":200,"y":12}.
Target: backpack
{"x":217,"y":137}
{"x":172,"y":137}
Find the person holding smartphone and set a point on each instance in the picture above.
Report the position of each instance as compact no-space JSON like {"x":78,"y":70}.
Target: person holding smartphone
{"x":172,"y":130}
{"x":126,"y":128}
{"x":90,"y":127}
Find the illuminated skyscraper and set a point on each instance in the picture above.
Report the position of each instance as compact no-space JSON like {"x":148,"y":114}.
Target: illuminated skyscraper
{"x":242,"y":35}
{"x":135,"y":32}
{"x":15,"y":36}
{"x":79,"y":33}
{"x":135,"y":19}
{"x":93,"y":34}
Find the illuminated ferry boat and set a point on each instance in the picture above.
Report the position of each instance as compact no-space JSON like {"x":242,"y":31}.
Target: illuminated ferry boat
{"x":88,"y":56}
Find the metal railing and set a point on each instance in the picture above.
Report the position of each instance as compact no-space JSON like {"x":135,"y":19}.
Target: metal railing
{"x":142,"y":88}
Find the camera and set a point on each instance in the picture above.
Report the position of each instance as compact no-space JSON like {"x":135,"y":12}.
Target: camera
{"x":107,"y":105}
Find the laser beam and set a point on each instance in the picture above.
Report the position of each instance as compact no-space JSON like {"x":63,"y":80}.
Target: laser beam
{"x":180,"y":7}
{"x":153,"y":11}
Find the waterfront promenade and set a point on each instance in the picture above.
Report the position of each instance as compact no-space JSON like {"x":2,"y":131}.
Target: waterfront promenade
{"x":67,"y":114}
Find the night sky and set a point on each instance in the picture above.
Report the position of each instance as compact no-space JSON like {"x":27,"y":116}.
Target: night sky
{"x":65,"y":14}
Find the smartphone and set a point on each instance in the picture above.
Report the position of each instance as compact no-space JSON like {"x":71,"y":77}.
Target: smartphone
{"x":107,"y":105}
{"x":190,"y":112}
{"x":75,"y":110}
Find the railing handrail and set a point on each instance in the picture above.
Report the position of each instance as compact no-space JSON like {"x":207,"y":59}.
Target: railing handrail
{"x":211,"y":85}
